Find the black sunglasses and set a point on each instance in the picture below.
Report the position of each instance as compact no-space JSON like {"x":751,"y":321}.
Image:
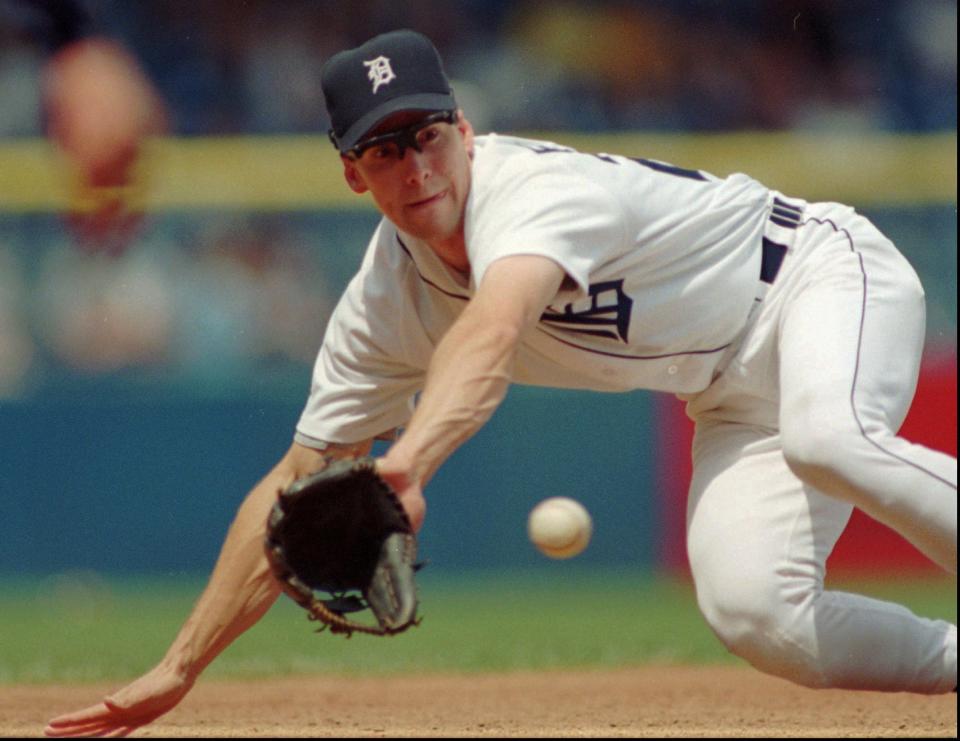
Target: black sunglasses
{"x":403,"y":138}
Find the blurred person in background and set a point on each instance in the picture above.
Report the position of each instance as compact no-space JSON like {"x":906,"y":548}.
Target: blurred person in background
{"x":99,"y":108}
{"x":100,"y":316}
{"x":250,"y":296}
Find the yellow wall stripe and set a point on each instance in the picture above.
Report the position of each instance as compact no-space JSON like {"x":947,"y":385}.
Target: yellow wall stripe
{"x":303,"y":172}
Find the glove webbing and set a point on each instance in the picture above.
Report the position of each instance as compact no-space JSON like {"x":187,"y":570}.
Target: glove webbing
{"x":338,"y":624}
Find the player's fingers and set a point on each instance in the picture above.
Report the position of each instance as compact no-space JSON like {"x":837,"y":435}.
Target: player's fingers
{"x":93,"y":728}
{"x":79,"y":717}
{"x":113,"y":726}
{"x":98,"y":732}
{"x":99,"y":720}
{"x":104,"y":728}
{"x":122,"y":731}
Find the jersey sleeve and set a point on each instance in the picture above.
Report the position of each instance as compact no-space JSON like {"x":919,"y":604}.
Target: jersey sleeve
{"x":365,"y":377}
{"x":548,"y":211}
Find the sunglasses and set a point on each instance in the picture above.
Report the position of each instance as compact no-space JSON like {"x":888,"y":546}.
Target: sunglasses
{"x":401,"y":138}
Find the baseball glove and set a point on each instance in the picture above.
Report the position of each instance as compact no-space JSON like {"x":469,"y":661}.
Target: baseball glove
{"x":343,"y":531}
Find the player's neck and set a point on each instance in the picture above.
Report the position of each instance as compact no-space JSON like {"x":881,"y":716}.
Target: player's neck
{"x":453,"y":252}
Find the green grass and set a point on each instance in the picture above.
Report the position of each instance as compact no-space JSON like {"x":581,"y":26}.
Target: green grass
{"x":81,"y":628}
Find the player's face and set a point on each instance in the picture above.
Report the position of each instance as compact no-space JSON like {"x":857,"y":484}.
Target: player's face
{"x":419,"y":180}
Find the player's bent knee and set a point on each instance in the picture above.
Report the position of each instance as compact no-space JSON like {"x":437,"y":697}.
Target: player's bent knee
{"x":762,"y":628}
{"x":818,"y":455}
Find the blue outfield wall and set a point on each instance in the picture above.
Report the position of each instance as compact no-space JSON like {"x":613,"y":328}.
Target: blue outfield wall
{"x":130,"y":486}
{"x":142,"y":470}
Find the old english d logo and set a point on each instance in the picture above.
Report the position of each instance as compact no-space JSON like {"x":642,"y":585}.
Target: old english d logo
{"x":379,"y":71}
{"x":607,"y":316}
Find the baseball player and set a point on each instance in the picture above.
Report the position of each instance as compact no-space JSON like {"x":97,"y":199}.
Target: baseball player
{"x":794,"y":331}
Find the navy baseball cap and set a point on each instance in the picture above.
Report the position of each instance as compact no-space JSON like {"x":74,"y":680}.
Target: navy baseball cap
{"x":396,"y":71}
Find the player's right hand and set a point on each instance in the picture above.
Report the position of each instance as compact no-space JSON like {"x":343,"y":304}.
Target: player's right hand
{"x":121,"y":713}
{"x":408,"y":490}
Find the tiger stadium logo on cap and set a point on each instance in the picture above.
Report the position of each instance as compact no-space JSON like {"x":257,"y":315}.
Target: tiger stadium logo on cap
{"x":380,"y":72}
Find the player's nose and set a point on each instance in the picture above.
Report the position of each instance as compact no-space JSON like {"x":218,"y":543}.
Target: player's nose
{"x":415,"y":166}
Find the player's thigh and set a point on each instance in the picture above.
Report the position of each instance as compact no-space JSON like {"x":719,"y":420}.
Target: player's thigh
{"x":755,"y":533}
{"x":850,"y":339}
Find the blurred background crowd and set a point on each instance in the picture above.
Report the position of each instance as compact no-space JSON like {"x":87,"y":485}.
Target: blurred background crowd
{"x":212,"y":300}
{"x":230,"y":66}
{"x":217,"y":295}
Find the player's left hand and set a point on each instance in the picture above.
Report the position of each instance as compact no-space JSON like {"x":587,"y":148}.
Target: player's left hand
{"x":100,"y":109}
{"x":121,"y":713}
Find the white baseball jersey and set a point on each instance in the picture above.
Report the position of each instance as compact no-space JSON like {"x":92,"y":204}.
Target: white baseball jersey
{"x":797,"y":382}
{"x":665,"y":263}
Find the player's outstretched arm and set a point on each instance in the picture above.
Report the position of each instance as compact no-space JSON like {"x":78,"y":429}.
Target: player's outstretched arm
{"x":470,"y":372}
{"x":240,"y":591}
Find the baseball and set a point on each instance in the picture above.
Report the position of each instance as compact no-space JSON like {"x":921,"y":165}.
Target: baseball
{"x":560,"y":527}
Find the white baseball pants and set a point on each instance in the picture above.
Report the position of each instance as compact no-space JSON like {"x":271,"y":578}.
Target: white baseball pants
{"x":799,"y":429}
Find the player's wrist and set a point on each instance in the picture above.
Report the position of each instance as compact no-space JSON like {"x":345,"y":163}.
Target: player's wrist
{"x":399,"y":466}
{"x":180,"y":669}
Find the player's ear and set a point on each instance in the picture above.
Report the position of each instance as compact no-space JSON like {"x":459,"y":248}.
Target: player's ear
{"x":352,"y":175}
{"x":466,"y":131}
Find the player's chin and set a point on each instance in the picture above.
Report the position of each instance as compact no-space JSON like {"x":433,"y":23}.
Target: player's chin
{"x":429,"y":227}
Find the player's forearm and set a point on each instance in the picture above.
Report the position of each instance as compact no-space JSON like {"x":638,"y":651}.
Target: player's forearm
{"x":471,"y":369}
{"x":239,"y":592}
{"x":242,"y":588}
{"x":468,"y":377}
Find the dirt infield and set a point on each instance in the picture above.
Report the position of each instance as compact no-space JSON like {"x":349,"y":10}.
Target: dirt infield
{"x":642,"y":702}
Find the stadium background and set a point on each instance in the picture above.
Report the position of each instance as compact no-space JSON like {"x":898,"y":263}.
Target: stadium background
{"x":141,"y":397}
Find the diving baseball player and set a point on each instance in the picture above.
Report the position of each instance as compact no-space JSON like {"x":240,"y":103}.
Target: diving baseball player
{"x":793,"y":330}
